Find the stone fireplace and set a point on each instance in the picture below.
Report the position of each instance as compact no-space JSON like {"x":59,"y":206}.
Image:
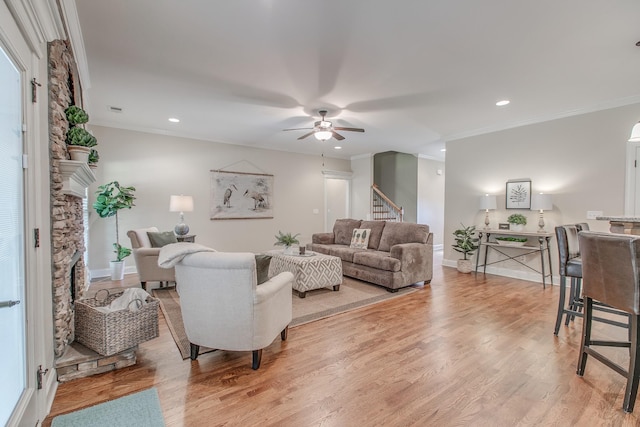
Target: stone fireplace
{"x":69,"y":181}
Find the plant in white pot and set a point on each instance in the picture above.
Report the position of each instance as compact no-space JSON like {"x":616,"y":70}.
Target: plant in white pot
{"x":466,"y":244}
{"x":79,"y":140}
{"x":517,"y":222}
{"x":111,"y":198}
{"x":286,"y":240}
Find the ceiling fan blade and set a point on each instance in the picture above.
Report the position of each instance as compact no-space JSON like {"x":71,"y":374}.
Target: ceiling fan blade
{"x":298,"y":129}
{"x":307,"y":134}
{"x":349,"y":129}
{"x":337,"y":136}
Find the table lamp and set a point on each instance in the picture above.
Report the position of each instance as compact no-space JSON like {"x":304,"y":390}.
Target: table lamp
{"x":181,"y":204}
{"x":487,"y":202}
{"x":541,"y":202}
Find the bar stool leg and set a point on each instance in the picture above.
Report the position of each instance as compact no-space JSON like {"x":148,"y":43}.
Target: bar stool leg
{"x":563,"y":290}
{"x":631,"y":390}
{"x":586,"y":335}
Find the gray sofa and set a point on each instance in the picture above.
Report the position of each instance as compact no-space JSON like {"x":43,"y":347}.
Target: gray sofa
{"x":398,"y":254}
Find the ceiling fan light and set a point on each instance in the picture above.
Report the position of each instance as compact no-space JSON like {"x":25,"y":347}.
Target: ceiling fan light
{"x":635,"y":133}
{"x":323,"y":135}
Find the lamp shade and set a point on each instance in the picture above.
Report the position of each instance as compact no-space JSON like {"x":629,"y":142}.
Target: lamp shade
{"x":541,"y":202}
{"x":635,"y":133}
{"x":488,"y":201}
{"x":181,"y":204}
{"x":323,"y":135}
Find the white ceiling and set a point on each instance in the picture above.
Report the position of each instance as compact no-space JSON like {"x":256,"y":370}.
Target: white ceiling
{"x":413,"y":73}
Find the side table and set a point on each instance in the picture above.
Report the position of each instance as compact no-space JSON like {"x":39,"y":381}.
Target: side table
{"x":191,"y":238}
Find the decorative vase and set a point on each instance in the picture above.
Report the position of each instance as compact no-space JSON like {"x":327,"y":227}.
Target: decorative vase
{"x":288,"y":250}
{"x":79,"y":153}
{"x":464,"y":266}
{"x":516,"y":227}
{"x":117,"y":270}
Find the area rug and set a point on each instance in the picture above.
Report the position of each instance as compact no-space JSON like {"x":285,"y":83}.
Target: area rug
{"x":140,"y":409}
{"x":318,"y":304}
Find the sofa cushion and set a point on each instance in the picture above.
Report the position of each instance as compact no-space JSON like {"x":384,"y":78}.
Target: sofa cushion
{"x":377,"y":259}
{"x":161,"y":238}
{"x":395,"y":233}
{"x":376,"y":228}
{"x":360,"y":238}
{"x":345,"y":253}
{"x":342,"y":230}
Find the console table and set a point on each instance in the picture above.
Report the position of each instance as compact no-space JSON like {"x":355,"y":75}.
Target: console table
{"x":510,"y":252}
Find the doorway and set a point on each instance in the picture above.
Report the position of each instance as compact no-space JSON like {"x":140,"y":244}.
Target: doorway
{"x":337,"y":196}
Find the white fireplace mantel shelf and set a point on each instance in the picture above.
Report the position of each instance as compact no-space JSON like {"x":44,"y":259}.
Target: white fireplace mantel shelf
{"x":76,"y":177}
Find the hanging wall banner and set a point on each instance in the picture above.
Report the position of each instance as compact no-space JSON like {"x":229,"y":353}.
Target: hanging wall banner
{"x":239,"y":195}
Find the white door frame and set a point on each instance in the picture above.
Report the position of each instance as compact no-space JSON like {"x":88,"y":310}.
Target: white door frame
{"x":327,"y":174}
{"x":630,"y":190}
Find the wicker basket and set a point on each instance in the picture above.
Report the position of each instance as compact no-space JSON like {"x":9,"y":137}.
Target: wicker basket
{"x":111,"y":333}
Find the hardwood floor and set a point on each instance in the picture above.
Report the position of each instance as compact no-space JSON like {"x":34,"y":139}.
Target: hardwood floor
{"x":464,"y":351}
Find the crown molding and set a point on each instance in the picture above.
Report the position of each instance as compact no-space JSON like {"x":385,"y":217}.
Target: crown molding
{"x":74,"y":34}
{"x":38,"y":21}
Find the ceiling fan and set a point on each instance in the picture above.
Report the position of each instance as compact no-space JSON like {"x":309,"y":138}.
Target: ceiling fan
{"x":324,"y":129}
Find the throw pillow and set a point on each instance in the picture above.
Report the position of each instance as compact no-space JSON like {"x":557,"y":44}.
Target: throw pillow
{"x":161,"y":238}
{"x":360,"y":238}
{"x":262,"y":267}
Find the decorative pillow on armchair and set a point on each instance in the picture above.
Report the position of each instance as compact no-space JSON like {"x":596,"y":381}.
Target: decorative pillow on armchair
{"x":262,"y":267}
{"x":161,"y":238}
{"x":360,"y":238}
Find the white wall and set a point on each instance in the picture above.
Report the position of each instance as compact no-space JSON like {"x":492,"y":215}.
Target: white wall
{"x":431,"y":197}
{"x":580,"y":160}
{"x":159,"y":166}
{"x":362,"y":167}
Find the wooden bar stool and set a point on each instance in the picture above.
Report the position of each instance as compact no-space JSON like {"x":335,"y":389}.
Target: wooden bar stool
{"x":610,"y":275}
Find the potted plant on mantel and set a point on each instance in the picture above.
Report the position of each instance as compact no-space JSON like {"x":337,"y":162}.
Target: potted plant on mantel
{"x":79,"y":140}
{"x":94,"y":157}
{"x":111,"y":198}
{"x":466,"y":244}
{"x":286,"y":240}
{"x":517,"y":222}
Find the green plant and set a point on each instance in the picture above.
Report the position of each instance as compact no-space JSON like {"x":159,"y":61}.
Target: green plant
{"x":466,"y":242}
{"x":517,"y":219}
{"x":512,"y":239}
{"x":93,"y":156}
{"x":76,"y":115}
{"x":111,"y":198}
{"x":286,"y":239}
{"x":82,"y":137}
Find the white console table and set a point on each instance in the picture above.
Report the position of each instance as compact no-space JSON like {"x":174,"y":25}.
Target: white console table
{"x":513,"y":252}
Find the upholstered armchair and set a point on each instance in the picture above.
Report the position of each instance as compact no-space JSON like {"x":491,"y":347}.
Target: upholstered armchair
{"x":224,"y":308}
{"x":146,"y":258}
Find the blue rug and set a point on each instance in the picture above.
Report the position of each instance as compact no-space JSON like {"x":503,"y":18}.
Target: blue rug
{"x":135,"y":410}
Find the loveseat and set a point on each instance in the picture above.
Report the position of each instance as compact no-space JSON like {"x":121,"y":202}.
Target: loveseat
{"x":397,"y":254}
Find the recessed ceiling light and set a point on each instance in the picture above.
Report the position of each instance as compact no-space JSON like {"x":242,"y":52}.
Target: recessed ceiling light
{"x":174,"y":120}
{"x":443,"y":149}
{"x":337,"y":147}
{"x":503,"y":103}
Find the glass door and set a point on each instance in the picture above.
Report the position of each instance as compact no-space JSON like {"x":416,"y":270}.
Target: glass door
{"x":12,"y":258}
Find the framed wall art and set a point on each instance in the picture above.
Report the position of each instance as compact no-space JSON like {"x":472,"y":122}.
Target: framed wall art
{"x":518,"y":195}
{"x":240,"y":195}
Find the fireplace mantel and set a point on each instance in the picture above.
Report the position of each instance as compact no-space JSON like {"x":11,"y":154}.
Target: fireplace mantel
{"x":77,"y":176}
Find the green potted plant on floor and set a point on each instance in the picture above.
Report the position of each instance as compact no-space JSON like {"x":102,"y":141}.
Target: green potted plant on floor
{"x":111,"y":198}
{"x":517,"y":222}
{"x":286,"y":240}
{"x":466,"y":244}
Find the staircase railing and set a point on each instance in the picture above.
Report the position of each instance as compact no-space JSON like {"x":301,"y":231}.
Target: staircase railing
{"x":382,"y":208}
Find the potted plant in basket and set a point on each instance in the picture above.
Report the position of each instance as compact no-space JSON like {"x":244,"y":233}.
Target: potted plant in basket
{"x":79,"y":140}
{"x":517,"y":222}
{"x":286,"y":240}
{"x":466,"y":244}
{"x":111,"y":198}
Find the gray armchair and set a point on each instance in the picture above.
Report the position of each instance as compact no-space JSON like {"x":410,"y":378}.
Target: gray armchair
{"x":146,"y":258}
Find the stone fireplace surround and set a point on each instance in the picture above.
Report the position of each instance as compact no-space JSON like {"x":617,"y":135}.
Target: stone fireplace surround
{"x":68,"y":183}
